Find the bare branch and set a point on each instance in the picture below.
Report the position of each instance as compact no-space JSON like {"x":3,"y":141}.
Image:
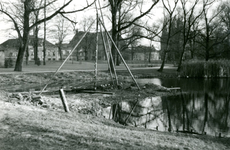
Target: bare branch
{"x":74,"y":11}
{"x":139,"y":17}
{"x":13,"y":20}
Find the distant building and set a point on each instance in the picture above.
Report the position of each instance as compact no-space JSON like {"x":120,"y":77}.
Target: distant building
{"x":87,"y":47}
{"x":11,"y":48}
{"x":86,"y":50}
{"x":144,"y":53}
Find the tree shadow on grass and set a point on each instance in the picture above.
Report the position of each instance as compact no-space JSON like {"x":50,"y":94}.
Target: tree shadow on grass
{"x":23,"y":136}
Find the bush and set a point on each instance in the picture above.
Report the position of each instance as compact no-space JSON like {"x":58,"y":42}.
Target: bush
{"x":213,"y":68}
{"x":8,"y":63}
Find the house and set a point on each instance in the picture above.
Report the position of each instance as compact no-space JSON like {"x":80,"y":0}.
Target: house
{"x":11,"y":47}
{"x":144,"y":53}
{"x":65,"y":51}
{"x":87,"y":47}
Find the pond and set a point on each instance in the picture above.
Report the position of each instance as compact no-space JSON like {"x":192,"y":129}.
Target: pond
{"x":203,"y":107}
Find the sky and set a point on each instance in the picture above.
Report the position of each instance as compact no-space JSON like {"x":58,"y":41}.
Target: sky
{"x":6,"y":31}
{"x":7,"y":28}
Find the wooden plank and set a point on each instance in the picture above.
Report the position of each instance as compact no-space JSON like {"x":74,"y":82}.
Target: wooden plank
{"x":35,"y":92}
{"x":174,"y":88}
{"x":93,"y":91}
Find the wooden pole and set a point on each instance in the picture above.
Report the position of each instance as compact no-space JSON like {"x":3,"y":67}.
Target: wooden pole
{"x":110,"y":53}
{"x":63,"y":99}
{"x":120,"y":56}
{"x":67,"y":58}
{"x":106,"y":53}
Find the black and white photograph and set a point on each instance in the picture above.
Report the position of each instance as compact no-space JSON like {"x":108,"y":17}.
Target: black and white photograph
{"x":114,"y":74}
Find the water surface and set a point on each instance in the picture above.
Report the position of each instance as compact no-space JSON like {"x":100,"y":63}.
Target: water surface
{"x":202,"y":108}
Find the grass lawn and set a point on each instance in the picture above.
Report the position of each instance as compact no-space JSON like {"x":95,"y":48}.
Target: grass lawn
{"x":136,"y":69}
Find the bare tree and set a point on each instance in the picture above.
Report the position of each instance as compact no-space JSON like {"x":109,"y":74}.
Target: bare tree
{"x":189,"y":19}
{"x":28,"y":9}
{"x":212,"y":23}
{"x":123,"y":17}
{"x":167,"y":29}
{"x":61,"y":30}
{"x":89,"y":42}
{"x":35,"y":34}
{"x":35,"y":39}
{"x":225,"y":20}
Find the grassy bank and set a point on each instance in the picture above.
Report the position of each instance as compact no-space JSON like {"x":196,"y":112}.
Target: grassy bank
{"x":210,"y":69}
{"x":25,"y":125}
{"x":30,"y":127}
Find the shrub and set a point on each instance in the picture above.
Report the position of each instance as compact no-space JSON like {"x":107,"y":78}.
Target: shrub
{"x":8,"y":63}
{"x":213,"y":68}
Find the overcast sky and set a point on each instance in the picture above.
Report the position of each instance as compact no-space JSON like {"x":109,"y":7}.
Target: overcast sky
{"x":6,"y":28}
{"x":7,"y":32}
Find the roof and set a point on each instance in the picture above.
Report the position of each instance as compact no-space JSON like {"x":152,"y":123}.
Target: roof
{"x":90,"y":37}
{"x":14,"y":43}
{"x":65,"y":45}
{"x":10,"y":43}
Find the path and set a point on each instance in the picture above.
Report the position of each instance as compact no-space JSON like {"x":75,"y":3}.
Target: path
{"x":74,"y":66}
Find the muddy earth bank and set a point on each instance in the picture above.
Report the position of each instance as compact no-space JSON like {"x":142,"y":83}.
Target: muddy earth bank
{"x":79,"y":87}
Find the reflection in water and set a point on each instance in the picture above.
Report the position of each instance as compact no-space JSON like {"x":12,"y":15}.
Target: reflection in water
{"x":201,"y":111}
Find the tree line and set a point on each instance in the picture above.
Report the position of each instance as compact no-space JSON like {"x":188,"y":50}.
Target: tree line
{"x":196,"y":29}
{"x":190,"y":29}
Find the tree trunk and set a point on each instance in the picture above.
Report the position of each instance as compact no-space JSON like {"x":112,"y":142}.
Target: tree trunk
{"x":44,"y":41}
{"x":35,"y":52}
{"x":180,"y":61}
{"x":24,"y":40}
{"x":149,"y":59}
{"x":60,"y":52}
{"x":181,"y":57}
{"x":35,"y":45}
{"x":19,"y":61}
{"x":114,"y":37}
{"x":207,"y":47}
{"x":163,"y":62}
{"x":27,"y":55}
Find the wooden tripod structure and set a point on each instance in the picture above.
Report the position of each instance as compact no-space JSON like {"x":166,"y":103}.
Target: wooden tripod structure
{"x":112,"y":69}
{"x":100,"y":21}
